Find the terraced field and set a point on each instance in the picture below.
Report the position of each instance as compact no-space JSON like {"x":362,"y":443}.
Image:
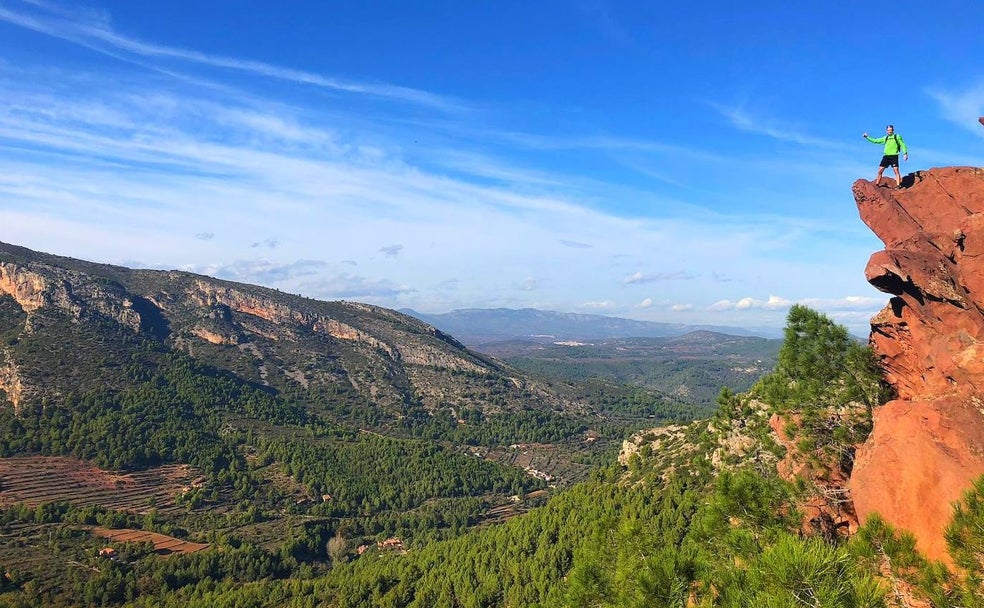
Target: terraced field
{"x":553,"y":463}
{"x":33,"y":480}
{"x":163,"y":544}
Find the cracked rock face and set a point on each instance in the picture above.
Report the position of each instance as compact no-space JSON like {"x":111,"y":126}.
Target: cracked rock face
{"x":77,"y":323}
{"x":927,"y":446}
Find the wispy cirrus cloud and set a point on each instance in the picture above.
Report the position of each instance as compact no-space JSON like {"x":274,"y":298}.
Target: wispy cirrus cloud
{"x":963,"y":106}
{"x":260,"y":271}
{"x":346,"y":285}
{"x":743,"y":120}
{"x":148,"y":158}
{"x":606,"y":143}
{"x":640,"y":278}
{"x":135,"y":163}
{"x":92,"y":30}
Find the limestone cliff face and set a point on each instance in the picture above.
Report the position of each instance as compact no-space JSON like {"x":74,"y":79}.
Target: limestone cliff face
{"x":208,"y":294}
{"x":34,"y":288}
{"x":10,"y":382}
{"x":100,"y":315}
{"x":927,"y":446}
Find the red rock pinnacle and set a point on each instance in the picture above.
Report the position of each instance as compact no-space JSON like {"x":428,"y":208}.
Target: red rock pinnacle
{"x":927,"y":446}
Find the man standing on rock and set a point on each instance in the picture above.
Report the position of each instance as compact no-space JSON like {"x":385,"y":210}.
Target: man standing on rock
{"x":893,"y":145}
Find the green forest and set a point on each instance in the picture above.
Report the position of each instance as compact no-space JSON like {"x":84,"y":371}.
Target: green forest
{"x":690,"y":369}
{"x":685,"y":524}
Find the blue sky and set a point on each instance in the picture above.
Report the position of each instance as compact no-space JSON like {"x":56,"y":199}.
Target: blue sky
{"x":683,"y":163}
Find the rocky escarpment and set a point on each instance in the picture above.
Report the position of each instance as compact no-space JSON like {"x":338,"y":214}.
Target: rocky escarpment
{"x":223,"y":297}
{"x":927,"y":446}
{"x":73,"y":322}
{"x":34,"y":287}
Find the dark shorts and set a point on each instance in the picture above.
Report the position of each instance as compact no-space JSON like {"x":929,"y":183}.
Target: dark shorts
{"x":890,"y":160}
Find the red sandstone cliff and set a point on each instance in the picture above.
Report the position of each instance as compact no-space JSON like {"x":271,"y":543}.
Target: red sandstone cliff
{"x":927,"y":446}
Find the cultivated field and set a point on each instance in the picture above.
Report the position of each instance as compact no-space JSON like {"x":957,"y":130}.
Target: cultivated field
{"x":33,"y":480}
{"x":553,"y":463}
{"x":163,"y":544}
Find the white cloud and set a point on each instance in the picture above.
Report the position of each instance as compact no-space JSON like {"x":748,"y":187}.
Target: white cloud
{"x":96,"y":34}
{"x":681,"y":307}
{"x":848,"y":303}
{"x":345,"y":285}
{"x":603,"y":305}
{"x":749,"y":303}
{"x":638,"y":278}
{"x":962,"y":107}
{"x":854,"y":312}
{"x":260,"y":271}
{"x":138,"y":164}
{"x":775,"y":302}
{"x":741,"y":119}
{"x":328,"y":202}
{"x":391,"y":251}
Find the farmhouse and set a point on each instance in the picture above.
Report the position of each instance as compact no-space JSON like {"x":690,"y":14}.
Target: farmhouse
{"x":392,"y":544}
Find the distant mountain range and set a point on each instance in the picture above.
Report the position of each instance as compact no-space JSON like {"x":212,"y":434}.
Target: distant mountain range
{"x":478,"y":326}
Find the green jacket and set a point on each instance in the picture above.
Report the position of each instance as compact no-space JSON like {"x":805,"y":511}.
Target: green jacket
{"x":893,"y":144}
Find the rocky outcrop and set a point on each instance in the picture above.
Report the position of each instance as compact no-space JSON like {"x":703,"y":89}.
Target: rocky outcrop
{"x":210,"y":295}
{"x":10,"y":382}
{"x":69,"y":291}
{"x":25,"y":287}
{"x":927,"y":446}
{"x":824,"y":503}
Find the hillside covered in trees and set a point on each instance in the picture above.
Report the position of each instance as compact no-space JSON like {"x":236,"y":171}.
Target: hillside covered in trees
{"x":691,"y":514}
{"x":245,"y":418}
{"x":689,"y":368}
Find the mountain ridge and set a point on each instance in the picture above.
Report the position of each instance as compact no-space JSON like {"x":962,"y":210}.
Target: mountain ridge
{"x":389,"y":359}
{"x":477,"y":326}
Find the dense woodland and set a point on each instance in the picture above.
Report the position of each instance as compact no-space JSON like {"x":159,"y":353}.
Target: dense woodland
{"x":689,"y":370}
{"x":672,"y":528}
